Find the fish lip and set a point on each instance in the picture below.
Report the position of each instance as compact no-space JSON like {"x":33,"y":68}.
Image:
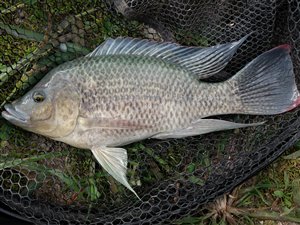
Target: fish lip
{"x":11,"y":114}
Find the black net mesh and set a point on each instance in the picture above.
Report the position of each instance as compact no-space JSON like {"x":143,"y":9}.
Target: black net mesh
{"x":52,"y":183}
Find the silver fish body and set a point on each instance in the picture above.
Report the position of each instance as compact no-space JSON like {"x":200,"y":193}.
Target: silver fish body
{"x":128,"y":98}
{"x":128,"y":90}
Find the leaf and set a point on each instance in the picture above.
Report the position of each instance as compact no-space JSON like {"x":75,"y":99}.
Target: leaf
{"x":286,"y":211}
{"x":93,"y":190}
{"x":196,"y":180}
{"x":287,"y":202}
{"x":294,"y":155}
{"x":189,"y":220}
{"x":297,"y":145}
{"x":107,"y":25}
{"x":278,"y":194}
{"x":261,"y":195}
{"x":4,"y":132}
{"x":74,"y":48}
{"x":161,"y":162}
{"x":2,"y":67}
{"x":15,"y":7}
{"x":29,"y":2}
{"x":69,"y":181}
{"x":191,"y":167}
{"x":22,"y":32}
{"x":286,"y":179}
{"x":296,"y":192}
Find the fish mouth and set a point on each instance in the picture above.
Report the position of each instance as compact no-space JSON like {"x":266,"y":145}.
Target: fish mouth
{"x":14,"y":116}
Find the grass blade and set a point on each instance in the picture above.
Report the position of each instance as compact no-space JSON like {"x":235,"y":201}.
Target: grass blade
{"x":22,"y":32}
{"x":8,"y":163}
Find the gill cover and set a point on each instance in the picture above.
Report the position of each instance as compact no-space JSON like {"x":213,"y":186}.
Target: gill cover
{"x":66,"y":105}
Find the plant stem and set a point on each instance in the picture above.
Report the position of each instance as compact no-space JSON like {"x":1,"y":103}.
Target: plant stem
{"x":267,"y":215}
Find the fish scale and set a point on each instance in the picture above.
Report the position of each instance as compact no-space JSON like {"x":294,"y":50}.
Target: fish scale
{"x":171,"y":90}
{"x":128,"y":90}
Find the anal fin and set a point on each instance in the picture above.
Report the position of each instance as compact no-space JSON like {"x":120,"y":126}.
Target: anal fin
{"x":203,"y":126}
{"x":114,"y":161}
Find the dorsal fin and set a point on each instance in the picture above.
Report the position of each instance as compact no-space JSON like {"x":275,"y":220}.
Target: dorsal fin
{"x":203,"y":62}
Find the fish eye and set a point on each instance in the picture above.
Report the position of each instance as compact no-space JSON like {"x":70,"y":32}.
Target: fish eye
{"x":38,"y":97}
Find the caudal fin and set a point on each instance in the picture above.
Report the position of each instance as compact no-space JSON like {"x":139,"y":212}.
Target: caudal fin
{"x":266,"y":86}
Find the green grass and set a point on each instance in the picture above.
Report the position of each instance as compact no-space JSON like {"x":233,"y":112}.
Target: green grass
{"x":73,"y":168}
{"x":84,"y":187}
{"x":272,"y":196}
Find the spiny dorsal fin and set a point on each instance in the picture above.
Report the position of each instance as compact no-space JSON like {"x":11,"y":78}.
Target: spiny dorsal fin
{"x":203,"y":62}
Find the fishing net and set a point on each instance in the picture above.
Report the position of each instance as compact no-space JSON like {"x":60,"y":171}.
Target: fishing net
{"x":48,"y":182}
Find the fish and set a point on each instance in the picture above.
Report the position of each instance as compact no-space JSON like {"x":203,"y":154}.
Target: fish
{"x":127,"y":90}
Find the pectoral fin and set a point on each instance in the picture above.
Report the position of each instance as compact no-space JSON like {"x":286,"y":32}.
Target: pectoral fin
{"x":203,"y":126}
{"x":114,"y":161}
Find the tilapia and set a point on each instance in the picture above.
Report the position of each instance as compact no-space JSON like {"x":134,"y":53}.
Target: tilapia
{"x":128,"y":90}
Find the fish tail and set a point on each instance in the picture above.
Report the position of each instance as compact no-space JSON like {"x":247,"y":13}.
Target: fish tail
{"x":266,"y":85}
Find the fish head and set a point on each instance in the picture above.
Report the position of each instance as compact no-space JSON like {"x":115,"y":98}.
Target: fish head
{"x":50,"y":108}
